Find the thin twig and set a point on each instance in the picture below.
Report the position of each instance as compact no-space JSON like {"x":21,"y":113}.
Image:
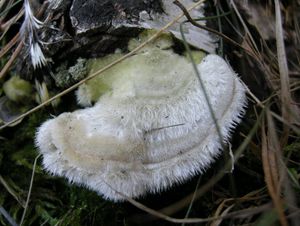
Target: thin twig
{"x":11,"y":60}
{"x":6,"y":215}
{"x":192,"y":21}
{"x":158,"y":214}
{"x":29,"y":190}
{"x":202,"y":85}
{"x":245,"y":26}
{"x":9,"y":45}
{"x":193,"y":199}
{"x":4,"y":12}
{"x":10,"y":22}
{"x":11,"y":191}
{"x":263,"y":106}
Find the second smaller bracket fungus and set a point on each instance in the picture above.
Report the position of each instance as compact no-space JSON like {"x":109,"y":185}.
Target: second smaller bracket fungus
{"x":150,"y":127}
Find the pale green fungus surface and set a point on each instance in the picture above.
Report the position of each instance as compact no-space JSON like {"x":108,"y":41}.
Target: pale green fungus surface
{"x":150,"y":127}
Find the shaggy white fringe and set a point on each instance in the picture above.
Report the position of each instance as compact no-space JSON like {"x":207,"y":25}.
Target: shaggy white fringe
{"x":29,"y":29}
{"x":168,"y":156}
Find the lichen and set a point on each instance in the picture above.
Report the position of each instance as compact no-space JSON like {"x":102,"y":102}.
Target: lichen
{"x":65,"y":77}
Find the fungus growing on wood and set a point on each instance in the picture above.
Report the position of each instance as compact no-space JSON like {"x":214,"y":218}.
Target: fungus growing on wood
{"x":150,"y":127}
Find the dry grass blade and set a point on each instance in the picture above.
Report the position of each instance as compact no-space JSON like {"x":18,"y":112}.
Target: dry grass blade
{"x":193,"y":200}
{"x":11,"y":60}
{"x":254,"y":195}
{"x":9,"y":45}
{"x":158,"y":214}
{"x":29,"y":190}
{"x":6,"y":215}
{"x":270,"y":166}
{"x":5,"y":27}
{"x":275,"y":115}
{"x":6,"y":6}
{"x":264,"y":61}
{"x":285,"y":96}
{"x":11,"y":191}
{"x":248,"y":33}
{"x":203,"y":87}
{"x":282,"y":172}
{"x":101,"y":70}
{"x":219,"y":212}
{"x":9,"y":23}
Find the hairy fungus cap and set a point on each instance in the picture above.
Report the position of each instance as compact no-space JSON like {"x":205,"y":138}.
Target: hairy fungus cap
{"x":150,"y":127}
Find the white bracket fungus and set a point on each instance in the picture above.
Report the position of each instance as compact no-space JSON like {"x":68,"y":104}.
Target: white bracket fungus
{"x":150,"y":127}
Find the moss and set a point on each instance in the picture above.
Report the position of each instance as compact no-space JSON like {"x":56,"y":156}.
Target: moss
{"x":17,"y":89}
